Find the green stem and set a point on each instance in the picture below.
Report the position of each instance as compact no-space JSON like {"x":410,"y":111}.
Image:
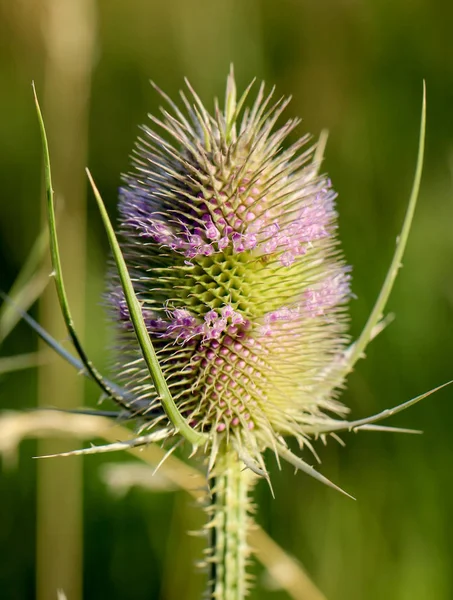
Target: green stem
{"x":229,"y":508}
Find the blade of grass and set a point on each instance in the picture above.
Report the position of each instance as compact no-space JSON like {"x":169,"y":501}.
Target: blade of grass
{"x":46,"y":337}
{"x":67,"y":356}
{"x":28,"y":286}
{"x":21,"y":361}
{"x":57,"y":270}
{"x":146,"y":346}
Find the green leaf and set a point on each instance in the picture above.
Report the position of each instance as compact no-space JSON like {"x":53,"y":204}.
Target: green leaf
{"x":57,"y":270}
{"x":356,"y":350}
{"x":141,"y":332}
{"x":21,"y":361}
{"x":28,"y":286}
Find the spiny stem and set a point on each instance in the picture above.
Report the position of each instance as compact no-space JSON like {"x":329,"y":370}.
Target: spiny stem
{"x":229,"y":508}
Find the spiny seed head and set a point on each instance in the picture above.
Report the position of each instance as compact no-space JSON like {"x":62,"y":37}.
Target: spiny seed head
{"x":230,"y":238}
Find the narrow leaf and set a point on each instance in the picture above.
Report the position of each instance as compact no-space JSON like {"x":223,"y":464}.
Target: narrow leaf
{"x":28,"y":286}
{"x":21,"y":361}
{"x":57,"y":270}
{"x":141,"y":332}
{"x":359,"y":346}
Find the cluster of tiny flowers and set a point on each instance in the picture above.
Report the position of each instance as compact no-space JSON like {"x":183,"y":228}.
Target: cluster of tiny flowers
{"x":181,"y":326}
{"x":248,"y":225}
{"x":231,"y":243}
{"x":316,"y":302}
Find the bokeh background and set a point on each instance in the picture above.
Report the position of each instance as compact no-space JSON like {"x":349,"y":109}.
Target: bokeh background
{"x":355,"y":68}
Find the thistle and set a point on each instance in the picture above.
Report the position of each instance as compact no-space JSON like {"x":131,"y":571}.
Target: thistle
{"x":238,"y":302}
{"x":231,"y":242}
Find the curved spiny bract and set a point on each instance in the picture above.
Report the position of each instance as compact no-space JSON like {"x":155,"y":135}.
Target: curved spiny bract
{"x":231,"y":242}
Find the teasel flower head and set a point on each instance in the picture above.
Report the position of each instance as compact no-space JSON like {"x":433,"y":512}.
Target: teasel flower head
{"x":230,"y":236}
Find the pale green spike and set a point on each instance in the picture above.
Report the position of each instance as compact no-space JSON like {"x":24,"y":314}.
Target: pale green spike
{"x":385,"y":414}
{"x":301,"y":465}
{"x":146,"y":346}
{"x":173,"y":105}
{"x":251,"y":464}
{"x":318,"y":156}
{"x":239,"y":105}
{"x":388,"y":428}
{"x":230,"y":107}
{"x":202,"y":114}
{"x":115,"y":447}
{"x":166,"y":455}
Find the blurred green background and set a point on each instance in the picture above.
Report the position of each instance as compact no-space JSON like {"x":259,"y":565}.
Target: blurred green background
{"x":353,"y":67}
